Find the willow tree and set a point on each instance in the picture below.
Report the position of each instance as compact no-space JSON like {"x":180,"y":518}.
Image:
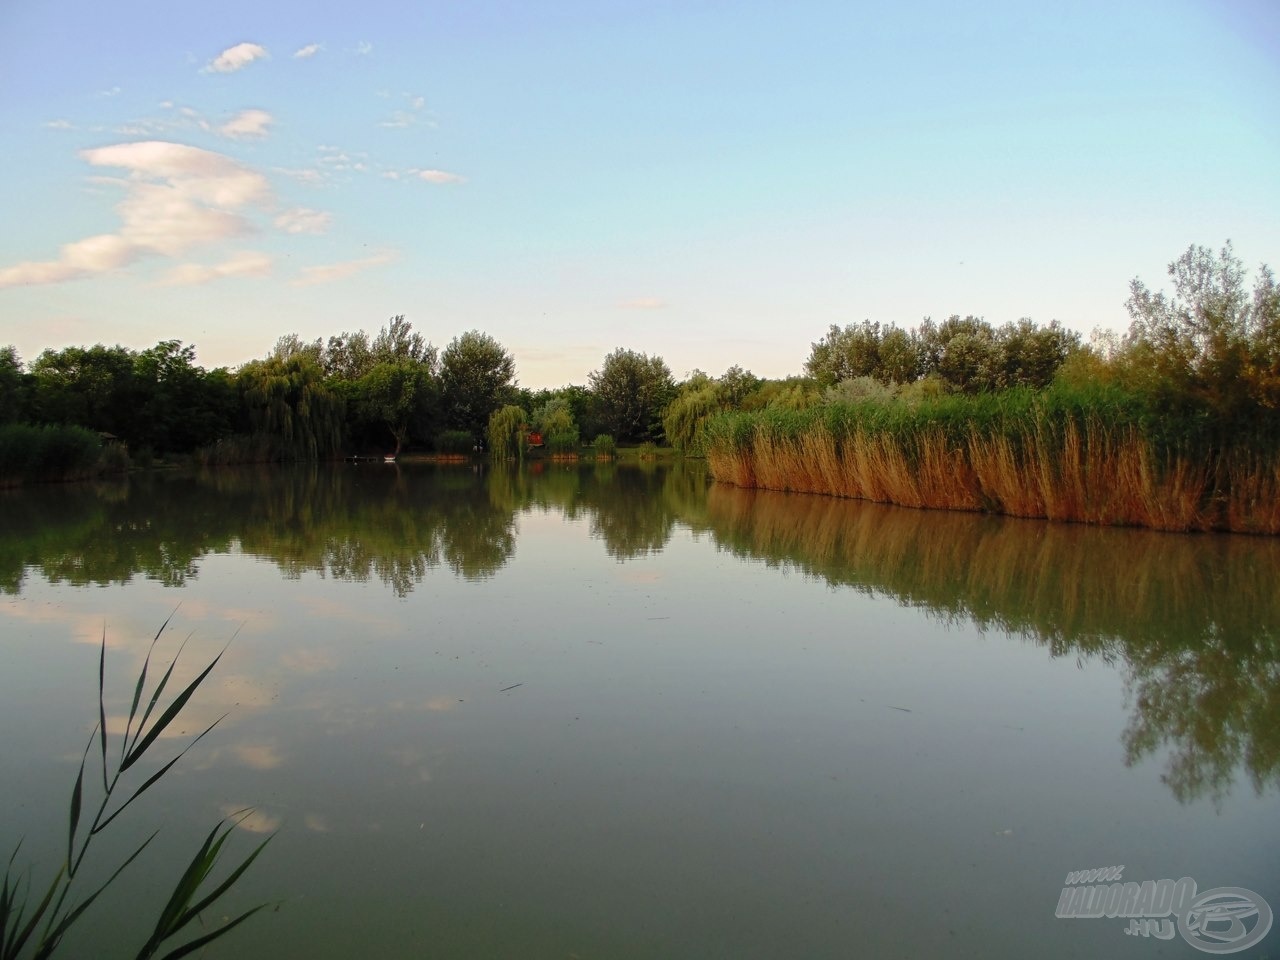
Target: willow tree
{"x":684,"y":417}
{"x":554,"y":420}
{"x":290,"y":404}
{"x":506,"y":432}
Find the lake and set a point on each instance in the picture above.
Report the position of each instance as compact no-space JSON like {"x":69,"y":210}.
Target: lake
{"x":599,"y":711}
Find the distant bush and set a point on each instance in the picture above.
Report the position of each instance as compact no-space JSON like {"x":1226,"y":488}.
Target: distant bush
{"x":114,"y":459}
{"x":605,"y":446}
{"x":647,"y":450}
{"x":455,"y":441}
{"x":47,"y":453}
{"x":858,"y":388}
{"x":562,"y":442}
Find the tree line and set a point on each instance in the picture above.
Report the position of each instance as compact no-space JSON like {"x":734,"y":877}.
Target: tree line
{"x":313,"y":399}
{"x":1209,"y":353}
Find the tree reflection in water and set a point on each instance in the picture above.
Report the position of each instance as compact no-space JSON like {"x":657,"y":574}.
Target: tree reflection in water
{"x":1193,"y":620}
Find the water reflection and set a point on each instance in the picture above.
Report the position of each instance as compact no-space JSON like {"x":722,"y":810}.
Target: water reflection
{"x":1193,"y":622}
{"x":1192,"y":619}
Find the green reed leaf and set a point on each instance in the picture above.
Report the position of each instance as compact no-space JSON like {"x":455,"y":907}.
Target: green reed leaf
{"x":102,"y":707}
{"x":77,"y":797}
{"x":188,"y":948}
{"x":56,"y":933}
{"x":168,"y":716}
{"x":17,"y":938}
{"x":156,"y":776}
{"x":155,"y":696}
{"x":192,"y":912}
{"x":142,"y":682}
{"x":187,"y":886}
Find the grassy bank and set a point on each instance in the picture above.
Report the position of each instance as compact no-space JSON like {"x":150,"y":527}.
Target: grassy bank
{"x":1091,"y":456}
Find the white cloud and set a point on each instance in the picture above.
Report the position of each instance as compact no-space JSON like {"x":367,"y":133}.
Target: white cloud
{"x":247,"y":263}
{"x":305,"y":175}
{"x":254,"y":821}
{"x":643,"y":303}
{"x":439,"y":176}
{"x":90,"y":255}
{"x":235,"y":58}
{"x":247,"y":124}
{"x":410,"y":116}
{"x":363,"y":48}
{"x":205,"y":176}
{"x":336,"y":160}
{"x":176,"y":118}
{"x":58,"y":125}
{"x":113,"y":91}
{"x":176,"y":198}
{"x":327,"y":273}
{"x":303,"y":220}
{"x":310,"y":50}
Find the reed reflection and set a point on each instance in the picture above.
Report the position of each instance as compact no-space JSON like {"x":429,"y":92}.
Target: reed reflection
{"x":1191,"y":619}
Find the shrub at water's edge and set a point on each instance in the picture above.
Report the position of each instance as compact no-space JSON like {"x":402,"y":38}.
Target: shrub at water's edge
{"x":1092,"y":455}
{"x":42,"y":453}
{"x":606,"y":448}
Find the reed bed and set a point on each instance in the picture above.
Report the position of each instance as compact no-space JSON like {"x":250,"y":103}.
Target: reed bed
{"x":1048,"y":456}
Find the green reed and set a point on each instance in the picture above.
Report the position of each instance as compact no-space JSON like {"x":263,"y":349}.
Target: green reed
{"x":1094,"y":454}
{"x":33,"y":925}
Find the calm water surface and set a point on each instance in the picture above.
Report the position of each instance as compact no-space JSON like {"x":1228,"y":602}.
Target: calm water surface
{"x":599,"y":711}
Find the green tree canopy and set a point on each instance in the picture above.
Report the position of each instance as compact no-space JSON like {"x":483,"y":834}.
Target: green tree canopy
{"x":399,"y":395}
{"x":398,"y":341}
{"x":13,"y":392}
{"x":966,"y":353}
{"x":632,"y":390}
{"x":1211,"y":340}
{"x":735,"y":385}
{"x":846,"y":353}
{"x":88,"y":387}
{"x":179,"y":405}
{"x":348,"y":356}
{"x":476,"y":376}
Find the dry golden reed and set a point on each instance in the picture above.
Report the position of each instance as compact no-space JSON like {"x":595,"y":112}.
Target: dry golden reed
{"x":1091,"y":474}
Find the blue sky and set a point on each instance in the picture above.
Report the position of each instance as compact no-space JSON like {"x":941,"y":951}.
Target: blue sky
{"x":712,"y":182}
